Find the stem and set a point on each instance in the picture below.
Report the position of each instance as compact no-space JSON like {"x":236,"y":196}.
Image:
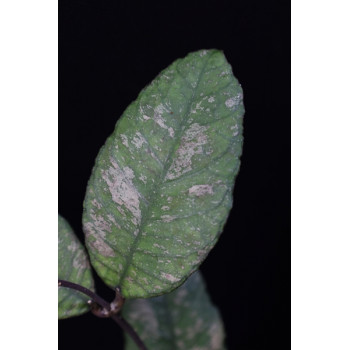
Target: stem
{"x":97,"y":299}
{"x":128,"y":329}
{"x":116,"y":318}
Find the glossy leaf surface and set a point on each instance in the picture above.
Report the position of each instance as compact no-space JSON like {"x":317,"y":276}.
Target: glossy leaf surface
{"x":183,"y":319}
{"x":161,"y":188}
{"x":73,"y":266}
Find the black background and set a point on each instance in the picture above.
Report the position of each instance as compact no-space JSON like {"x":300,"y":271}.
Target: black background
{"x":108,"y":51}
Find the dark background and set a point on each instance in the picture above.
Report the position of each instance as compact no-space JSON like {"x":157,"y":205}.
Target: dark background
{"x":108,"y":51}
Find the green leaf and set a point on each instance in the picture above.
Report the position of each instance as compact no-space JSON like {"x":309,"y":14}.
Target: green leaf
{"x":73,"y":266}
{"x":182,"y":319}
{"x":161,"y":188}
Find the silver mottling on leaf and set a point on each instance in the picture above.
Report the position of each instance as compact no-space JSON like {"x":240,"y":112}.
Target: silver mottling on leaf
{"x":233,"y":101}
{"x":125,"y":140}
{"x":97,"y":241}
{"x":122,"y":189}
{"x":169,"y":277}
{"x":73,"y":246}
{"x":143,"y":178}
{"x":168,"y":218}
{"x":158,"y":112}
{"x":191,"y":144}
{"x":138,"y":140}
{"x":96,"y":204}
{"x":200,"y":190}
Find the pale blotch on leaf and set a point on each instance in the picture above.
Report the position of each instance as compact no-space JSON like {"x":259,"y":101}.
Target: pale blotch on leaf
{"x":200,"y":190}
{"x":191,"y":144}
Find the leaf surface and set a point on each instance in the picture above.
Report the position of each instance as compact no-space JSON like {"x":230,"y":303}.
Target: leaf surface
{"x":183,"y":319}
{"x":73,"y":266}
{"x":161,"y":188}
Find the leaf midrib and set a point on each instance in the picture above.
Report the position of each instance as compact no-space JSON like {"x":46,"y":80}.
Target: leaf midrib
{"x":167,"y":164}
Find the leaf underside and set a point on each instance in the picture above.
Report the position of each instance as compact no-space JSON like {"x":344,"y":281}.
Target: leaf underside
{"x":161,"y":188}
{"x":183,"y":319}
{"x":73,"y":266}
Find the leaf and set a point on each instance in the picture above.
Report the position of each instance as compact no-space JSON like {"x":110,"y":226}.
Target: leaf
{"x":73,"y":266}
{"x":161,"y":189}
{"x":182,"y":319}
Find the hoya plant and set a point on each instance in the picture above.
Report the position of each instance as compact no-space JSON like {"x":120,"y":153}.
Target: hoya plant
{"x":157,"y":200}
